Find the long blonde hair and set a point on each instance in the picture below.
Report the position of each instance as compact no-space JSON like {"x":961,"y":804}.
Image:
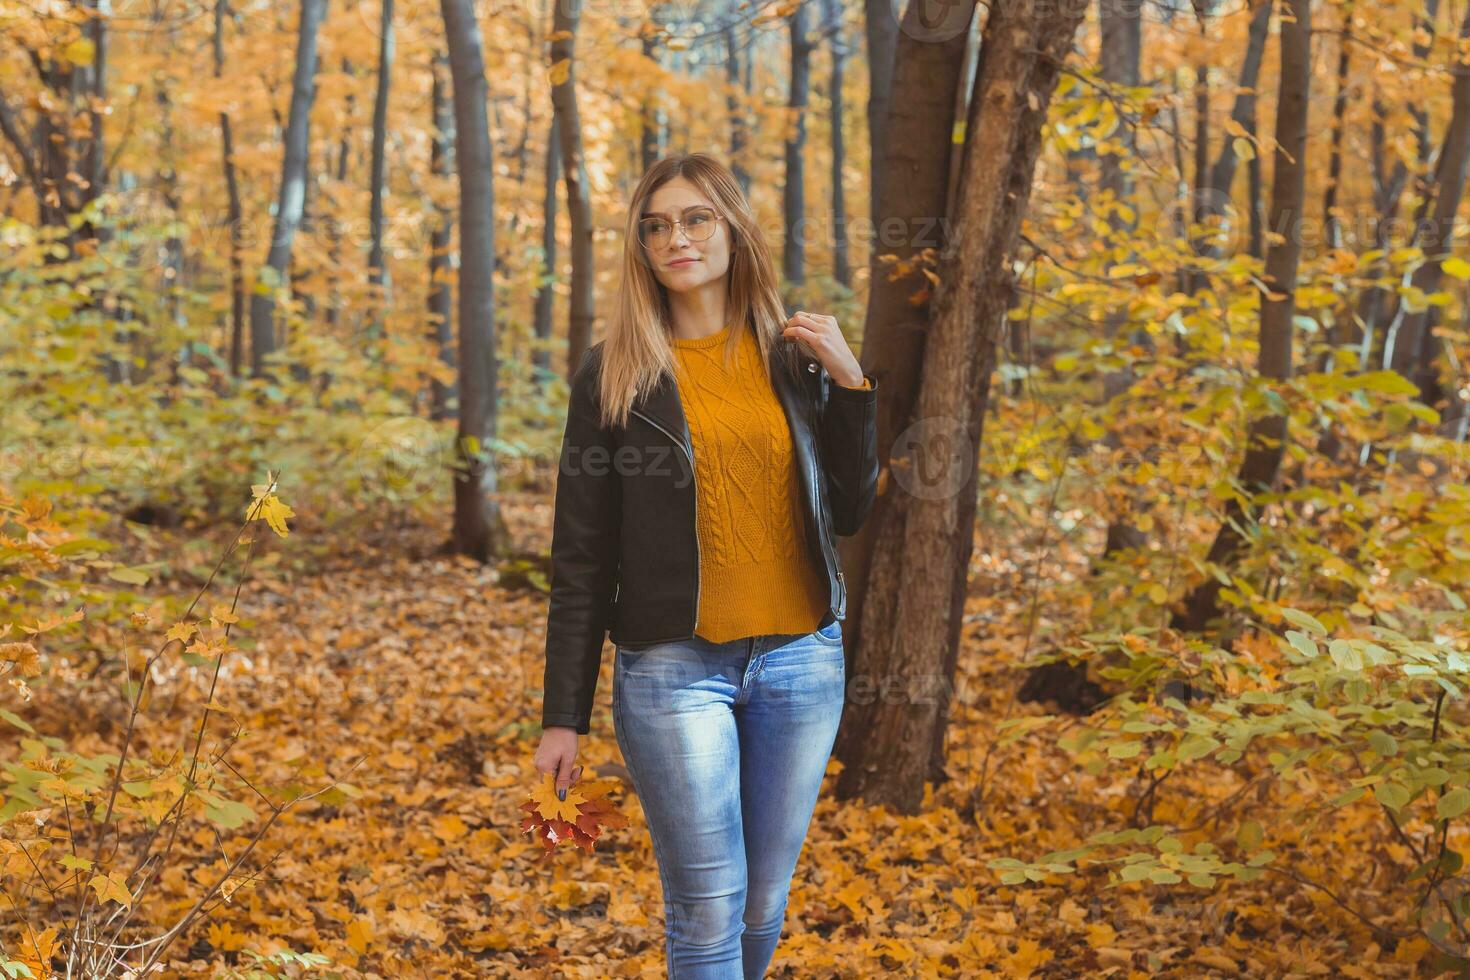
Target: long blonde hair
{"x":638,"y":351}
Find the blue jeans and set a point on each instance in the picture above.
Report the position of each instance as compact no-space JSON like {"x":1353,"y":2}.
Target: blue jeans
{"x":727,"y":744}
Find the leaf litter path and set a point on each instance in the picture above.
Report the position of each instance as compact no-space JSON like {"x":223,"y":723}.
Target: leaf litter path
{"x":424,"y":672}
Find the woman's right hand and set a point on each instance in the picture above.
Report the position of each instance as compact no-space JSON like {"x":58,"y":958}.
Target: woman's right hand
{"x":555,"y":755}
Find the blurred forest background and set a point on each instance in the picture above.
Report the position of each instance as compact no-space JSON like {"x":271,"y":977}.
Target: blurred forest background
{"x":1158,"y":634}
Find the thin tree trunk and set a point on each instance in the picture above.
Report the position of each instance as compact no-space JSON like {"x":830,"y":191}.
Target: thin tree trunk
{"x":545,"y":294}
{"x":793,"y":191}
{"x":1266,"y":439}
{"x":234,"y":215}
{"x":292,"y":196}
{"x":1406,"y":349}
{"x":1120,"y":25}
{"x":883,"y":41}
{"x":565,"y":22}
{"x":441,"y":266}
{"x":378,"y":274}
{"x":1216,"y":195}
{"x":479,"y":528}
{"x":1331,"y":221}
{"x":736,"y":107}
{"x":841,"y":267}
{"x":650,"y":140}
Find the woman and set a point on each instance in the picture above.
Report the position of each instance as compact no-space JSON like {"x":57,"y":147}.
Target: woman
{"x":713,"y":448}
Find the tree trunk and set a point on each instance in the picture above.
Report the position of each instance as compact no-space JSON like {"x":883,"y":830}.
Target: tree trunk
{"x":234,"y":214}
{"x":545,"y":293}
{"x":1331,"y":222}
{"x":479,"y":528}
{"x":793,"y":191}
{"x":1216,"y":196}
{"x":883,"y":42}
{"x":1406,"y":350}
{"x":736,"y":106}
{"x":441,"y":266}
{"x":921,"y":123}
{"x":916,"y":593}
{"x":650,"y":140}
{"x":841,"y":268}
{"x":378,"y":274}
{"x":565,"y":21}
{"x":292,"y":196}
{"x":1266,"y":437}
{"x":1060,"y":682}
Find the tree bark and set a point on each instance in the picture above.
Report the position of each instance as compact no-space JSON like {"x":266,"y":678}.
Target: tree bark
{"x":1267,"y":434}
{"x":291,"y":198}
{"x":479,"y":527}
{"x":234,"y":215}
{"x":883,"y":42}
{"x":1216,"y":196}
{"x":736,"y":107}
{"x":920,"y":126}
{"x":565,"y":22}
{"x":1060,"y":682}
{"x":841,"y":267}
{"x":912,"y":613}
{"x":545,"y":294}
{"x":378,"y":274}
{"x":1406,"y":350}
{"x":650,"y":139}
{"x":441,"y":265}
{"x":793,"y":191}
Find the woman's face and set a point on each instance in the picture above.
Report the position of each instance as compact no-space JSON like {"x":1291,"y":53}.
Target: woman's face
{"x":681,"y":263}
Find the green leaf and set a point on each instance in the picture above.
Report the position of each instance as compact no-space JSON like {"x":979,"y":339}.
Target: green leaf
{"x":15,"y":720}
{"x":1302,"y":642}
{"x":1392,"y":795}
{"x":1137,"y":872}
{"x":1345,"y":655}
{"x":1383,"y":743}
{"x":131,"y":576}
{"x":1454,"y":803}
{"x":1305,"y":621}
{"x":227,"y":813}
{"x":1197,"y":747}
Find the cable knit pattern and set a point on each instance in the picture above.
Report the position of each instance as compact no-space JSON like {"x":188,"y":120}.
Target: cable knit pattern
{"x":755,"y":574}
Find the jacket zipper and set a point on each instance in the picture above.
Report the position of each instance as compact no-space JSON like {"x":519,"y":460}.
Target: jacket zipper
{"x":698,"y":550}
{"x":821,"y":526}
{"x":822,"y":538}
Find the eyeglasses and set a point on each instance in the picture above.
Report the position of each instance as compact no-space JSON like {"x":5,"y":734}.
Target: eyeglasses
{"x":699,"y":224}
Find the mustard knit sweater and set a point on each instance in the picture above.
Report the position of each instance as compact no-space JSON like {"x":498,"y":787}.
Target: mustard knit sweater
{"x":755,"y":574}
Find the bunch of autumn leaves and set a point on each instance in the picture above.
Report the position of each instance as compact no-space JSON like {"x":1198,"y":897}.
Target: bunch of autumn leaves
{"x":579,"y":819}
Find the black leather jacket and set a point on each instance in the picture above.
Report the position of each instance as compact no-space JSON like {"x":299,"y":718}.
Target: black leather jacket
{"x":624,"y":546}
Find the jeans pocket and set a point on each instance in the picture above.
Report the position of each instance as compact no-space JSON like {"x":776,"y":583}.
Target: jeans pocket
{"x":831,"y":633}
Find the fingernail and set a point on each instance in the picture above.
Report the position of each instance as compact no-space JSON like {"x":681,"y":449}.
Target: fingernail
{"x":561,"y":794}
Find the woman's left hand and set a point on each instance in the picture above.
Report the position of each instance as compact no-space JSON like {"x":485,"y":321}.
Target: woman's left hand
{"x":821,"y":333}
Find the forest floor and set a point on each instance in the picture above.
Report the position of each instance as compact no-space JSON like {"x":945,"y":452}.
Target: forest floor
{"x":416,"y":677}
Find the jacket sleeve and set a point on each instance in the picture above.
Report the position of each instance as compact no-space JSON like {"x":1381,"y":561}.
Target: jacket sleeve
{"x":849,"y":435}
{"x":584,"y":558}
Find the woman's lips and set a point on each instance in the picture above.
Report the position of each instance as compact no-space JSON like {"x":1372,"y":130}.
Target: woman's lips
{"x":680,"y":263}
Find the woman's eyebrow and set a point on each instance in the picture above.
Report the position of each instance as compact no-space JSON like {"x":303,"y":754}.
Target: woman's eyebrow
{"x":665,"y":214}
